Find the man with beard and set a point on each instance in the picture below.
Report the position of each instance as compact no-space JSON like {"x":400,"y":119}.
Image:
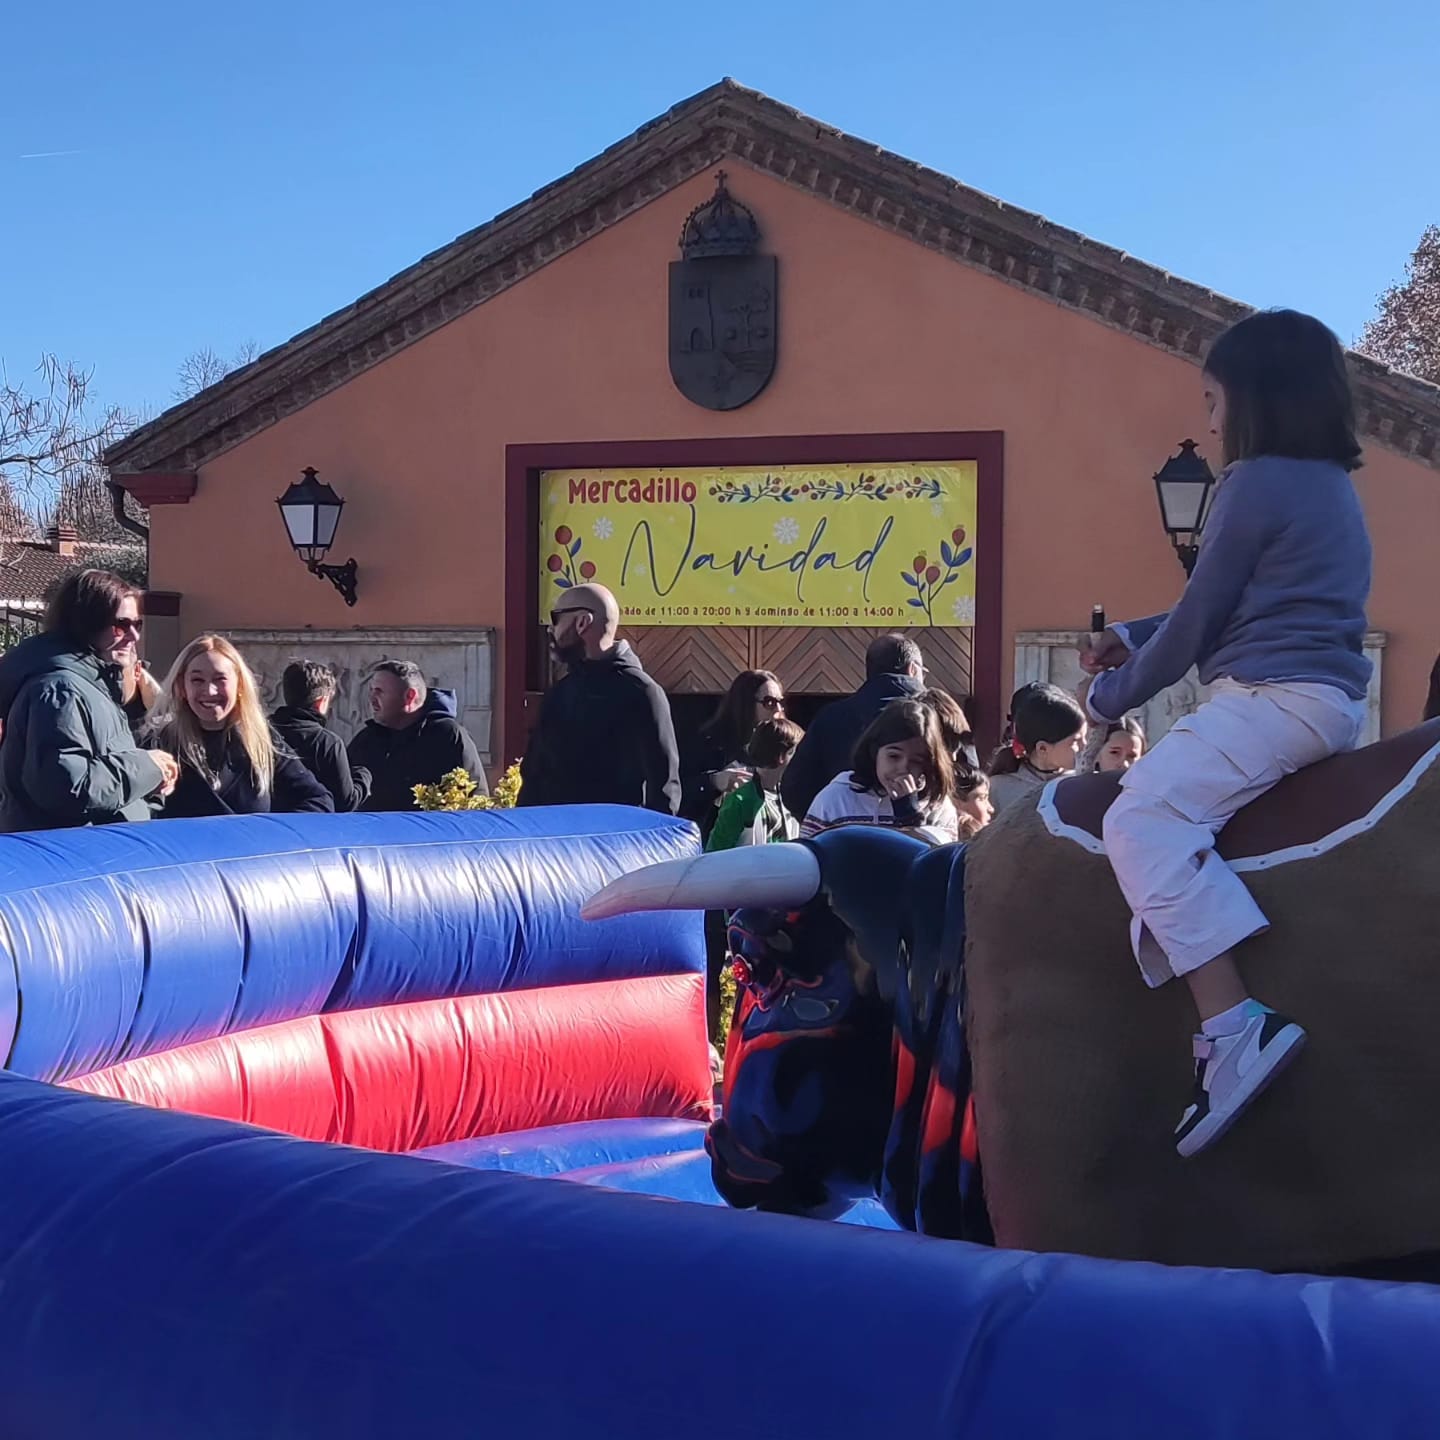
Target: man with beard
{"x":604,"y":735}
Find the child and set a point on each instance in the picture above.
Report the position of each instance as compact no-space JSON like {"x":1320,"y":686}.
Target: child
{"x":753,"y":813}
{"x":971,"y":791}
{"x":1116,"y":747}
{"x":1047,"y":734}
{"x":1274,"y":616}
{"x":903,"y":776}
{"x":973,"y":806}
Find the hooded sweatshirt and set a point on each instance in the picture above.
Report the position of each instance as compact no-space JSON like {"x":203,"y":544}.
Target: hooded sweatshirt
{"x":420,"y":754}
{"x":604,"y":736}
{"x":68,"y":757}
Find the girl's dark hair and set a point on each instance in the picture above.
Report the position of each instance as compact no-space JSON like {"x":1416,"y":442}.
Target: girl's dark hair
{"x":1039,"y":713}
{"x":968,"y":779}
{"x":1286,"y":390}
{"x":899,"y":721}
{"x":954,"y":727}
{"x":733,"y":722}
{"x":772,"y":741}
{"x":86,"y":603}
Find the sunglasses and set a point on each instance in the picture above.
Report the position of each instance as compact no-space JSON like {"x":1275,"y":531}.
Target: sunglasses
{"x":556,"y":616}
{"x":133,"y":626}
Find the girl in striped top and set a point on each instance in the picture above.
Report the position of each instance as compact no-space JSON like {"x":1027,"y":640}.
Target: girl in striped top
{"x":902,"y":776}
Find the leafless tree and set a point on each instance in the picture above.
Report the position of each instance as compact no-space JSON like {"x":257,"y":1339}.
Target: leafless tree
{"x":46,"y":433}
{"x":1405,"y":333}
{"x":206,"y":367}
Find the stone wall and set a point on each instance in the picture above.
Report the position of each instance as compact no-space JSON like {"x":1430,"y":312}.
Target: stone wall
{"x":452,"y":659}
{"x":1054,"y":655}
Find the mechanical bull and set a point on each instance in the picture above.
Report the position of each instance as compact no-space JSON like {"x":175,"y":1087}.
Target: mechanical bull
{"x":881,"y":980}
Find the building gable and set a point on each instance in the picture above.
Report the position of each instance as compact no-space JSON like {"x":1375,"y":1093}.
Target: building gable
{"x":728,"y":122}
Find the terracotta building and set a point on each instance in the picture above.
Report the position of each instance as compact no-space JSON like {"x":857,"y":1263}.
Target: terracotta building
{"x":832,"y":393}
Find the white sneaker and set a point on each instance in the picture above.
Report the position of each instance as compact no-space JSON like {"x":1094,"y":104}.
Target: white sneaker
{"x":1230,"y":1071}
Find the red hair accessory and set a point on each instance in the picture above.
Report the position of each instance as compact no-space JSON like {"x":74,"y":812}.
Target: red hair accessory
{"x":1017,"y":748}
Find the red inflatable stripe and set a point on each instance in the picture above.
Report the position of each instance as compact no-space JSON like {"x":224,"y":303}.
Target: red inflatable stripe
{"x":400,"y":1077}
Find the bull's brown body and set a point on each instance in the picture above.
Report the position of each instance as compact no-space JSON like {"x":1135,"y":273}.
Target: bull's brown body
{"x":1081,"y":1072}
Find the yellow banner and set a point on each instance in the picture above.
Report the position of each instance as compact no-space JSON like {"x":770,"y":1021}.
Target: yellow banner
{"x":778,"y":545}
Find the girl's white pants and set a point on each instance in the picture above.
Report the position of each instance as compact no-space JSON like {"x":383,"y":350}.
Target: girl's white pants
{"x":1188,"y":905}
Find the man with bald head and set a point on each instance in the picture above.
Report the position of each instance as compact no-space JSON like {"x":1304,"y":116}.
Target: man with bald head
{"x":604,"y":735}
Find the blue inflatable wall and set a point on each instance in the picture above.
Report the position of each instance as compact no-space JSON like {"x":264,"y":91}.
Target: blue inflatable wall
{"x":170,"y":1276}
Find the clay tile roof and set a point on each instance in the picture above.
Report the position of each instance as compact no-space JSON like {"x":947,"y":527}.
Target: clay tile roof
{"x":728,"y":122}
{"x":30,"y":569}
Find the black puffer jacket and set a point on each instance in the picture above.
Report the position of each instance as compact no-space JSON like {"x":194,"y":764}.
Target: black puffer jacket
{"x":233,"y":789}
{"x":399,"y":760}
{"x":67,"y":757}
{"x":322,"y":752}
{"x":604,"y":736}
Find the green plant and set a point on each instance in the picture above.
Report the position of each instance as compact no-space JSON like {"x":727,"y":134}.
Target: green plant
{"x":728,"y":991}
{"x":457,"y":791}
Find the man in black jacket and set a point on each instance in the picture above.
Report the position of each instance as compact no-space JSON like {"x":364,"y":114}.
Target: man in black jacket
{"x":894,"y":670}
{"x":605,"y":735}
{"x":414,"y":739}
{"x":303,"y":722}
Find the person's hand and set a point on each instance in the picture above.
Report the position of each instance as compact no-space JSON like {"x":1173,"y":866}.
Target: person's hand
{"x":726,"y":780}
{"x":169,"y":770}
{"x":146,"y":686}
{"x":1108,"y":654}
{"x":906,"y":784}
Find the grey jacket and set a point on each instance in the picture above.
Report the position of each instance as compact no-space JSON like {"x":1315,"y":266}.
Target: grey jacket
{"x":67,"y":756}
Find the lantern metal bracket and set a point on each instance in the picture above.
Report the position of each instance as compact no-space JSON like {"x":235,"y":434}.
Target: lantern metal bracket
{"x":342,"y":577}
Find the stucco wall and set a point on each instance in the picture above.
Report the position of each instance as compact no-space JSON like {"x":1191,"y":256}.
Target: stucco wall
{"x":876,"y":334}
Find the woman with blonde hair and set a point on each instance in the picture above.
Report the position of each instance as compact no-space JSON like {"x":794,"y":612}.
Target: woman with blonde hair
{"x":210,"y":718}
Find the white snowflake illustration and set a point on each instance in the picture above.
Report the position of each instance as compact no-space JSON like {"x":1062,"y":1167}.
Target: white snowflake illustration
{"x":641,"y":569}
{"x":964,"y":610}
{"x":602,"y":529}
{"x":787,"y":530}
{"x":937,"y":508}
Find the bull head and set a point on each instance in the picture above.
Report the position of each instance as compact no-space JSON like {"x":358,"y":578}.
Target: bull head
{"x":809,"y":1075}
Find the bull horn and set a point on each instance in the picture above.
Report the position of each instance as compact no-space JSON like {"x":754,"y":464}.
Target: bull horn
{"x":766,"y":877}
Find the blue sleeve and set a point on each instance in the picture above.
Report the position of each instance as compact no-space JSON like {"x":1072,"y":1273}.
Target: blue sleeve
{"x":1238,"y":528}
{"x":1135,"y":633}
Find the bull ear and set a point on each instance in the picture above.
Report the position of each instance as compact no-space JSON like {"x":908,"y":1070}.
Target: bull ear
{"x":765,"y":877}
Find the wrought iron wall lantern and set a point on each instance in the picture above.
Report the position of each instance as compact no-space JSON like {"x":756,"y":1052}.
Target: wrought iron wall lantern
{"x":311,"y":511}
{"x":1185,"y":486}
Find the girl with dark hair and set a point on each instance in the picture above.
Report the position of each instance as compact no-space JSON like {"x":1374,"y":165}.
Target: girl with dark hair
{"x":68,"y":756}
{"x":1047,"y":733}
{"x":1274,"y":617}
{"x":719,"y":762}
{"x":903,"y":775}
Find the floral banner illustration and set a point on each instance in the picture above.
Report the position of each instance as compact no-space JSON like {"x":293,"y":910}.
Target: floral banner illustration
{"x":825,"y":545}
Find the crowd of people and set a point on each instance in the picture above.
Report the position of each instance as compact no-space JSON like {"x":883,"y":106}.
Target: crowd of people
{"x":89,"y":737}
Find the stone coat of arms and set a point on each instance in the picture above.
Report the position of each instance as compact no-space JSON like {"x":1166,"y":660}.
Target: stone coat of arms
{"x":723,"y":306}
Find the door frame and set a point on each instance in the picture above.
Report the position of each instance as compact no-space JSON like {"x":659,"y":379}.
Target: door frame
{"x":521,"y":653}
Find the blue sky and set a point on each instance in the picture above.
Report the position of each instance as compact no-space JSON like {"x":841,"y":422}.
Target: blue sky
{"x":242,"y":171}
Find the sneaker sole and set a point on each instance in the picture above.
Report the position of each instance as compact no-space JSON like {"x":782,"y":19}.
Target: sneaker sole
{"x":1285,"y":1047}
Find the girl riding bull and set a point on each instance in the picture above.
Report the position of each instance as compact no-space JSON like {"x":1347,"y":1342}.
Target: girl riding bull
{"x":1274,"y":616}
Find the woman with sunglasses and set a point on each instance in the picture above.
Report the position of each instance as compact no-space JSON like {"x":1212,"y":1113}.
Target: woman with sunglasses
{"x":719,"y":760}
{"x":68,"y":757}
